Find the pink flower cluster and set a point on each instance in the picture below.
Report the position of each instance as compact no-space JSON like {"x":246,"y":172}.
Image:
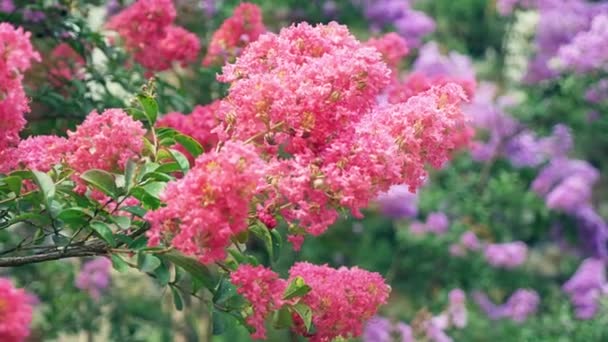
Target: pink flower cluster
{"x":66,"y":64}
{"x":148,"y":32}
{"x":264,"y":290}
{"x":198,"y":124}
{"x":341,"y":300}
{"x":468,"y":242}
{"x":15,"y":312}
{"x":105,"y":141}
{"x":392,"y":47}
{"x":41,"y":152}
{"x":311,"y":92}
{"x":16,"y":56}
{"x":236,"y":32}
{"x":210,"y":204}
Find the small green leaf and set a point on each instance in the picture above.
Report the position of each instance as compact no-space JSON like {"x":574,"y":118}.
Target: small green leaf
{"x":137,"y":211}
{"x":130,"y":174}
{"x":101,"y":180}
{"x":147,"y":262}
{"x":262,"y":233}
{"x":119,"y":263}
{"x":137,"y":114}
{"x":13,"y":183}
{"x":163,"y":177}
{"x":194,"y":268}
{"x":277,"y":243}
{"x":177,"y":299}
{"x":166,"y":132}
{"x":162,"y":274}
{"x":122,"y":222}
{"x":169,"y":168}
{"x":282,"y":318}
{"x":150,"y":108}
{"x":74,"y":216}
{"x":192,"y":146}
{"x":46,"y":185}
{"x":219,"y":321}
{"x":180,"y":159}
{"x":296,"y":288}
{"x":224,"y":292}
{"x":139,"y":243}
{"x":104,"y":232}
{"x":148,"y":200}
{"x":305,"y":313}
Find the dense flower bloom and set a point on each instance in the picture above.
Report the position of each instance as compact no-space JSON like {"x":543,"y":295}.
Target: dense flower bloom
{"x":66,"y":64}
{"x":457,"y":310}
{"x":148,"y":31}
{"x":342,"y":300}
{"x":236,"y":32}
{"x":518,"y":307}
{"x":398,"y":202}
{"x":589,"y":49}
{"x":105,"y":141}
{"x":15,"y":312}
{"x":198,"y":124}
{"x":263,"y":289}
{"x":16,"y":56}
{"x":41,"y":152}
{"x":392,"y":47}
{"x":143,"y":20}
{"x":7,"y":6}
{"x":210,"y":204}
{"x":593,"y":231}
{"x":308,"y":81}
{"x":94,"y":277}
{"x":586,"y":287}
{"x":506,"y":255}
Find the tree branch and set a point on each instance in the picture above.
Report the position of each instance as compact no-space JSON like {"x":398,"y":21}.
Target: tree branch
{"x":93,"y":249}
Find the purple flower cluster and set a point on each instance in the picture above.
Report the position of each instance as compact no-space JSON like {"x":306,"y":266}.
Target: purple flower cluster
{"x":431,"y":62}
{"x":518,"y":307}
{"x":560,"y":22}
{"x":380,"y":329}
{"x":436,"y":223}
{"x":7,"y":6}
{"x":506,"y":255}
{"x":94,"y":277}
{"x":398,"y":202}
{"x":586,"y":287}
{"x":407,"y":22}
{"x":588,"y":50}
{"x":567,"y":185}
{"x":507,"y":137}
{"x":468,"y":242}
{"x":598,"y":92}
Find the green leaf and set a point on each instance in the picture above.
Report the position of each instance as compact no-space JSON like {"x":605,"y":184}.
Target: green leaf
{"x":119,"y":263}
{"x":219,"y":321}
{"x":177,"y":299}
{"x":155,"y":188}
{"x":166,"y":132}
{"x":137,"y":114}
{"x":46,"y":185}
{"x":162,"y":274}
{"x":13,"y":183}
{"x":296,"y":288}
{"x":101,"y":180}
{"x":282,"y":319}
{"x":277,"y":243}
{"x":150,"y":107}
{"x":194,"y":268}
{"x":158,"y":176}
{"x":139,"y":243}
{"x":262,"y":233}
{"x":74,"y":216}
{"x":130,"y":174}
{"x":104,"y":232}
{"x":147,"y":262}
{"x":224,"y":292}
{"x":122,"y":222}
{"x":148,"y":200}
{"x":137,"y":211}
{"x":180,"y":159}
{"x":191,"y":145}
{"x":305,"y":313}
{"x":169,"y":168}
